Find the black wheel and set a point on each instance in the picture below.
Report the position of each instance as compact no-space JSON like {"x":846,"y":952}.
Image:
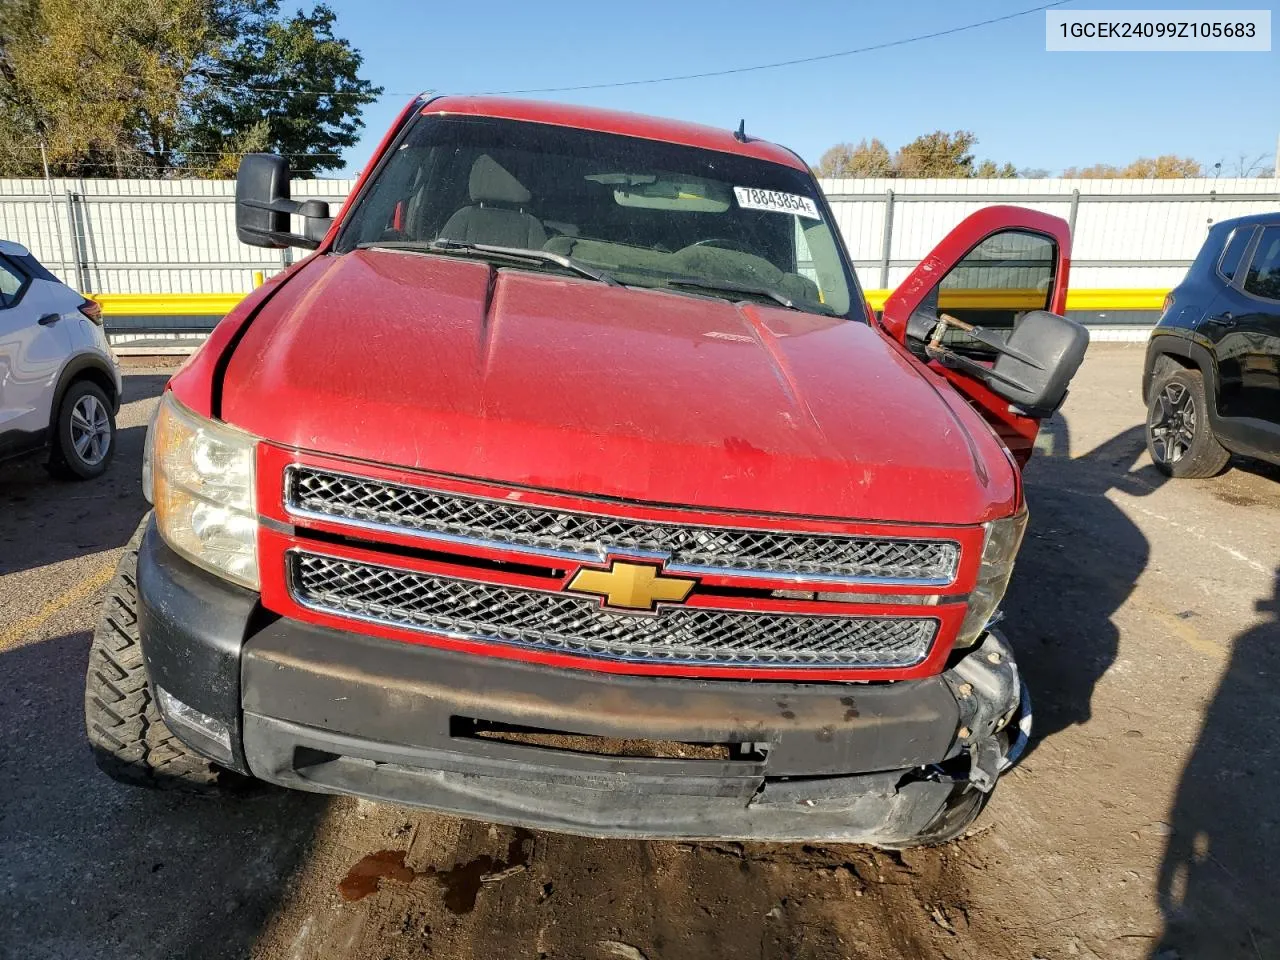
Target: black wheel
{"x":131,"y":742}
{"x":84,"y":439}
{"x":1179,"y":436}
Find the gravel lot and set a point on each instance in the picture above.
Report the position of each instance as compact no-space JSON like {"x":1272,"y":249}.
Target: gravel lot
{"x":1145,"y":822}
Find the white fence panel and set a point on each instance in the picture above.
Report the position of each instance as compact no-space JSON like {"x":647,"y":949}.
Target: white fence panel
{"x":1126,"y":233}
{"x":178,"y":236}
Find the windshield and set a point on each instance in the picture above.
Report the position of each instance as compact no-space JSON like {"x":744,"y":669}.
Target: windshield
{"x":644,"y":212}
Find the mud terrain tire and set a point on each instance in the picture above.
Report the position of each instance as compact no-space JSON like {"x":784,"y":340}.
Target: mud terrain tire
{"x":131,"y":742}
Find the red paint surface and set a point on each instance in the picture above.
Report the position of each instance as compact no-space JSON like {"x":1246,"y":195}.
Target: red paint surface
{"x":566,"y":384}
{"x":970,"y":232}
{"x":645,"y":404}
{"x":1018,"y":433}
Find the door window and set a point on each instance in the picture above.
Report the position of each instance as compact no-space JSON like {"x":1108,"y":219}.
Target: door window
{"x":11,"y":284}
{"x":1005,"y":276}
{"x":1234,"y":251}
{"x":1262,"y":279}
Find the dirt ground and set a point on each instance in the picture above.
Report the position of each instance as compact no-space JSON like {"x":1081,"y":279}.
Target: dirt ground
{"x":1143,"y":824}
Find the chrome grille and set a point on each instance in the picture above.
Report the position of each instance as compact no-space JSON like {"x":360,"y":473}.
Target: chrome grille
{"x":323,"y":493}
{"x":564,"y":623}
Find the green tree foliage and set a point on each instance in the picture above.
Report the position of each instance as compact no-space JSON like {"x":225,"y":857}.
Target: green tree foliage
{"x":101,"y":83}
{"x":286,"y":85}
{"x":991,"y":170}
{"x":172,"y":87}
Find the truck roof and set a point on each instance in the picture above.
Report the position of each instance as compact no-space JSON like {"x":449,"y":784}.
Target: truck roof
{"x":614,"y":121}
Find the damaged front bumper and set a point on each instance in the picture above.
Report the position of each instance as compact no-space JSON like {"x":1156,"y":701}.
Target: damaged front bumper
{"x":572,"y":750}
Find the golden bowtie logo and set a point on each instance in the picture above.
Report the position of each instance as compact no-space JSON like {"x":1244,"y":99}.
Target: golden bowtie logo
{"x":632,"y":586}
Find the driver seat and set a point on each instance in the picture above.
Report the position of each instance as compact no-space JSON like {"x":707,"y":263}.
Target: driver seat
{"x":496,"y":214}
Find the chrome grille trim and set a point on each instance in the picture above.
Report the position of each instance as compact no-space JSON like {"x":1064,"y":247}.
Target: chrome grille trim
{"x":557,"y":622}
{"x":696,"y":550}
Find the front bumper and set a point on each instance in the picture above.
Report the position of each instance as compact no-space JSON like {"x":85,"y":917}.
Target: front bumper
{"x":333,"y":711}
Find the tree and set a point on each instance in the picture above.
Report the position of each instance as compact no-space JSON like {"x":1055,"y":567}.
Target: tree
{"x":172,"y":87}
{"x":1033,"y":173}
{"x":99,"y":83}
{"x":1246,"y":165}
{"x":937,"y":154}
{"x":1166,"y":167}
{"x":1101,"y":171}
{"x":863,"y":160}
{"x":289,"y":86}
{"x":994,"y":171}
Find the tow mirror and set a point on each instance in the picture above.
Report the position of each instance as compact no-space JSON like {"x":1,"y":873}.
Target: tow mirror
{"x":1033,"y":367}
{"x":264,"y":207}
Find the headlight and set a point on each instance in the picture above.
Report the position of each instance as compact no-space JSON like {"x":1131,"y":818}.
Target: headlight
{"x":999,"y":550}
{"x":199,"y":474}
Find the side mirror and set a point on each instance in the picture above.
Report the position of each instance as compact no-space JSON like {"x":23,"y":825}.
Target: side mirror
{"x":1033,"y":367}
{"x":264,"y":207}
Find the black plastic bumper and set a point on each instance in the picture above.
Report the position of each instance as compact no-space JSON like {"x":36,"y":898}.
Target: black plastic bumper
{"x":333,"y":711}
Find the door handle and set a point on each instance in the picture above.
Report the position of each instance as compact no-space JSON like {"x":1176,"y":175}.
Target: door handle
{"x":1222,"y":319}
{"x":49,"y":319}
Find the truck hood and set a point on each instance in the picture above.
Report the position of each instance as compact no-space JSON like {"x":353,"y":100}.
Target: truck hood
{"x":559,"y":383}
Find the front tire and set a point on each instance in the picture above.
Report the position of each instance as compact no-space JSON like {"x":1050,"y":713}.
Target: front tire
{"x":1179,"y":435}
{"x":130,"y":740}
{"x":84,"y":438}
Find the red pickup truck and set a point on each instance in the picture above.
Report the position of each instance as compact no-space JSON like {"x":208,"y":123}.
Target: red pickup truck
{"x":573,"y":483}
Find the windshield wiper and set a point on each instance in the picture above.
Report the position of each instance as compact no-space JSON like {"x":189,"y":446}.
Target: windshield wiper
{"x":726,"y":287}
{"x":441,"y":245}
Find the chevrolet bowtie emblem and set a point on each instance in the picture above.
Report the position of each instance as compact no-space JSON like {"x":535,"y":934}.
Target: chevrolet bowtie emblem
{"x":632,"y":586}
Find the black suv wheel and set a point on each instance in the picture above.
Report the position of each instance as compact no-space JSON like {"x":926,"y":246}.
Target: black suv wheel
{"x":1179,"y":436}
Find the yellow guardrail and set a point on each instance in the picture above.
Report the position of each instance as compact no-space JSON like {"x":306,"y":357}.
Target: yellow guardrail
{"x":167,"y":304}
{"x":218,"y":304}
{"x":1117,"y":299}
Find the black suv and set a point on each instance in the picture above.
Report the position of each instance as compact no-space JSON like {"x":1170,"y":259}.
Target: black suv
{"x":1212,"y":376}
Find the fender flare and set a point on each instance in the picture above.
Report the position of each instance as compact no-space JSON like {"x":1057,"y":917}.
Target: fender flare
{"x":74,"y":370}
{"x":1174,"y":345}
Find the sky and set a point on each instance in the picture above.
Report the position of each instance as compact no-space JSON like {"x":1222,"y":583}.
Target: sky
{"x":1033,"y":108}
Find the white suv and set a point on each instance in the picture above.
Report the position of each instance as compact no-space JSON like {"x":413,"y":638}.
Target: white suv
{"x":59,"y":381}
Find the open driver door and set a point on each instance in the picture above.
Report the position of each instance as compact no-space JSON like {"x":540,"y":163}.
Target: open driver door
{"x":985,"y":310}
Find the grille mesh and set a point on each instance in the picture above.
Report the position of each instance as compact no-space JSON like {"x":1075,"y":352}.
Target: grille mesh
{"x":556,"y":531}
{"x":563,"y":623}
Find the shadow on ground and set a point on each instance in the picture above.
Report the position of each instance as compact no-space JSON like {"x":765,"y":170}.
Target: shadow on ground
{"x":1218,"y":884}
{"x":90,"y":868}
{"x":1078,"y":565}
{"x":44,"y":521}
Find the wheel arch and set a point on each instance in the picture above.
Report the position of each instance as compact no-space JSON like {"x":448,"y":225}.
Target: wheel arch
{"x":83,"y":367}
{"x":1166,"y":349}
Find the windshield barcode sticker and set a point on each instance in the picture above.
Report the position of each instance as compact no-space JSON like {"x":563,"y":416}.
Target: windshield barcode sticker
{"x":752,"y":198}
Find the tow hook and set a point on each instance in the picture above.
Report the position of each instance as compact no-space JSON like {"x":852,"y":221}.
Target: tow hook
{"x":991,"y":697}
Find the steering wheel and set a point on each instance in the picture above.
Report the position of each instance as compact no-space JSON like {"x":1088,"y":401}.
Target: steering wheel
{"x":724,"y":243}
